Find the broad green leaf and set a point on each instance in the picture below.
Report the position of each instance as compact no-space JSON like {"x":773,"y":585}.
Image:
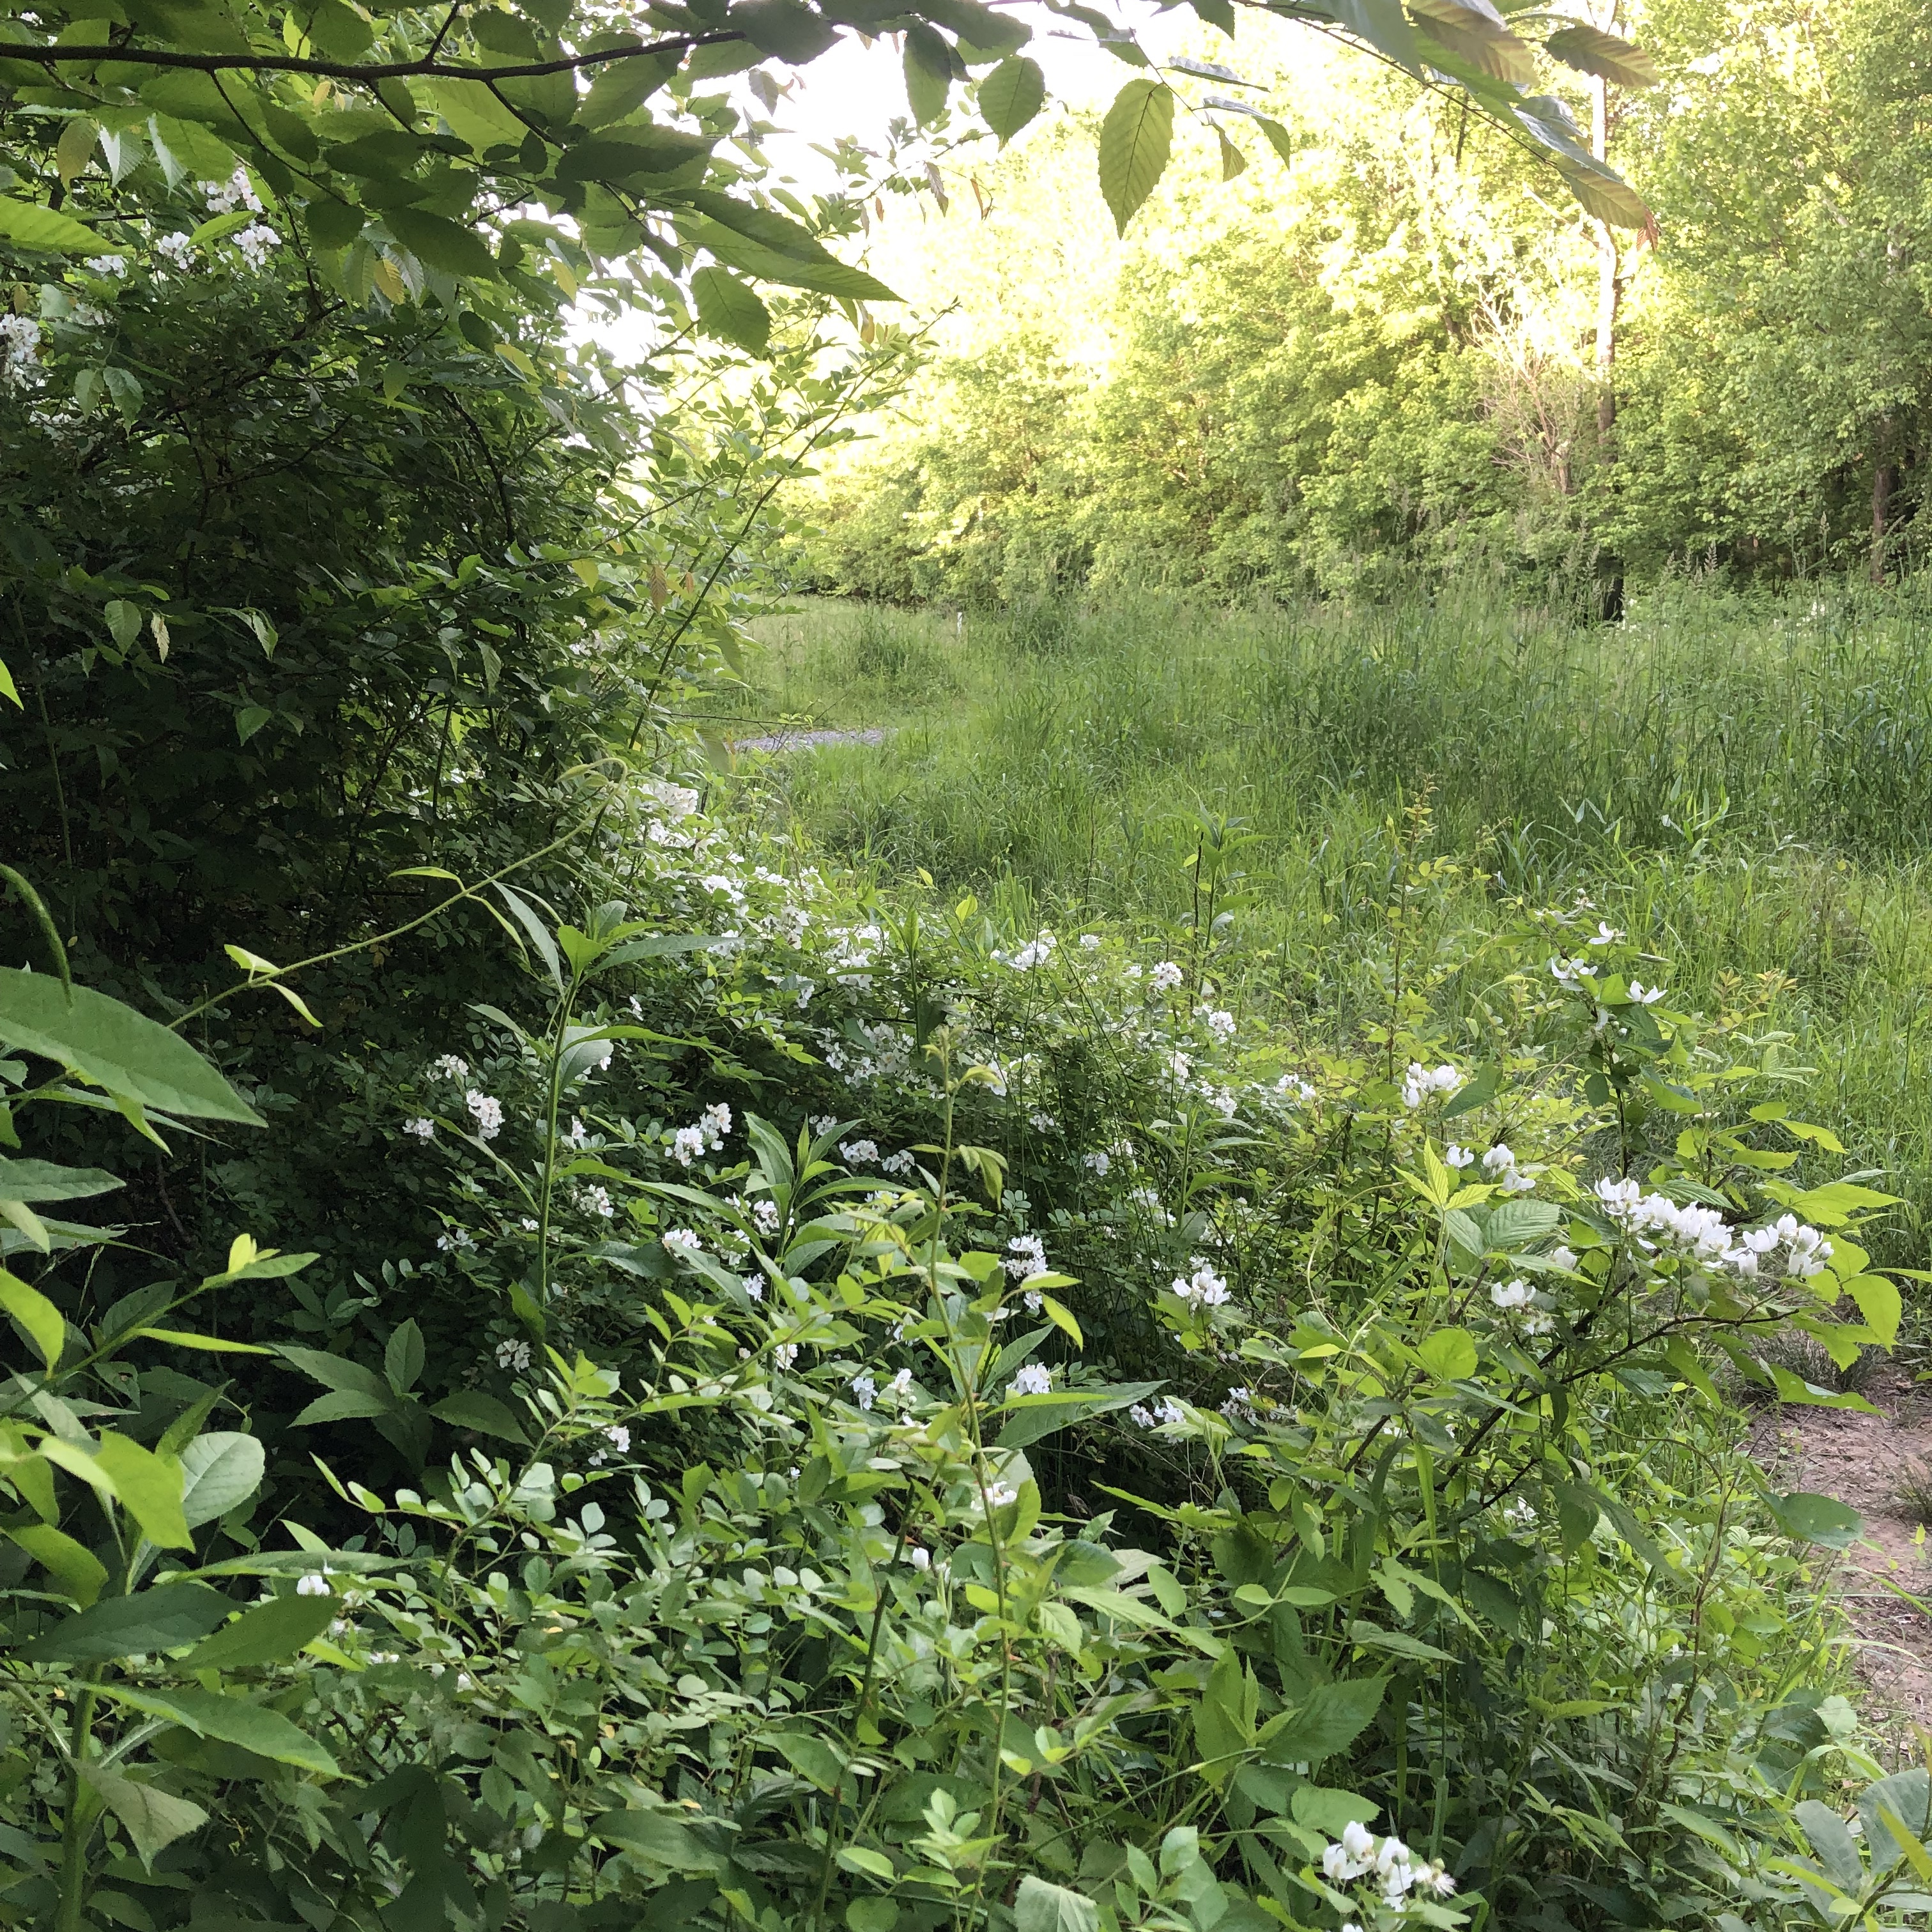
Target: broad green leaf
{"x":1449,"y":1353}
{"x":1609,"y":56}
{"x":72,"y":1565}
{"x":231,"y":1721}
{"x":43,"y":1181}
{"x":727,"y":308}
{"x":812,"y":1758}
{"x":785,"y":30}
{"x":1041,"y":1907}
{"x":1907,"y":1796}
{"x":656,"y":1836}
{"x":1383,"y":25}
{"x":827,"y":276}
{"x":1398,"y":1643}
{"x":928,"y":72}
{"x":266,"y":1634}
{"x":45,"y":1324}
{"x":403,"y":1358}
{"x":471,"y":1408}
{"x":345,"y":1405}
{"x":1224,"y":1719}
{"x":152,"y":1819}
{"x":149,"y":1487}
{"x":337,"y":1371}
{"x":27,"y":225}
{"x":1326,"y":1722}
{"x":1473,"y":32}
{"x":113,"y":1047}
{"x":1515,"y":1224}
{"x":169,"y":1617}
{"x":1033,"y":1417}
{"x":1329,"y":1811}
{"x":476,"y":115}
{"x":1806,"y":1518}
{"x":1878,"y":1301}
{"x":218,"y":1471}
{"x":1134,"y":139}
{"x":1011,"y":95}
{"x":439,"y":243}
{"x":1830,"y":1837}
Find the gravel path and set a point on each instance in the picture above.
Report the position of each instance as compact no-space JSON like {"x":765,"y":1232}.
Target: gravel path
{"x":807,"y":741}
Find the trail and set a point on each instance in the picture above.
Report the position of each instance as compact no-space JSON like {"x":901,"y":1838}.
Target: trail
{"x":1860,"y":1460}
{"x":807,"y":741}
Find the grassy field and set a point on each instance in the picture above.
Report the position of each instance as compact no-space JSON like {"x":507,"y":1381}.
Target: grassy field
{"x":1747,"y":784}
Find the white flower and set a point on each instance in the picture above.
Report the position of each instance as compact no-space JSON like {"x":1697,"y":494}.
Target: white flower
{"x":488,"y":1113}
{"x":1563,"y":1258}
{"x":1036,"y":954}
{"x":899,"y":1389}
{"x":448,"y":1066}
{"x":106,"y":265}
{"x":422,"y":1127}
{"x":753,"y":1285}
{"x":1043,"y":1124}
{"x":596,"y":1201}
{"x":313,"y":1585}
{"x":456,"y":1239}
{"x":716,"y":1121}
{"x":179,"y":249}
{"x":1032,"y":1378}
{"x":1457,"y":1156}
{"x":859,"y":1153}
{"x":686,"y":1145}
{"x":515,"y":1355}
{"x":620,"y":1439}
{"x":234,"y":193}
{"x":257,"y":242}
{"x":1420,"y":1082}
{"x":1203,"y":1287}
{"x":785,"y":1353}
{"x":1220,"y":1024}
{"x":578,"y":1137}
{"x":901,"y":1163}
{"x":1607,"y":934}
{"x":865,"y":1390}
{"x":20,"y":346}
{"x":1239,"y":1406}
{"x":1089,"y":941}
{"x":1164,"y":1412}
{"x":1512,"y":1294}
{"x":1025,"y":1257}
{"x":822,"y":1124}
{"x":682,"y":1241}
{"x":1645,"y":996}
{"x":528,"y":1223}
{"x":1166,"y":976}
{"x":1097,"y":1162}
{"x":998,"y":1494}
{"x":919,"y":1556}
{"x":1520,"y":1513}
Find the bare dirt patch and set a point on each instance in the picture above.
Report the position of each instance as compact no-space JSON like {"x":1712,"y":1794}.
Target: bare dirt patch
{"x":1861,"y":1459}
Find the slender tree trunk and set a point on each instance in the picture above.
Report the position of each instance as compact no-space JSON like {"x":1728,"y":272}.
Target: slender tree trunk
{"x":1884,"y":481}
{"x":1609,"y":282}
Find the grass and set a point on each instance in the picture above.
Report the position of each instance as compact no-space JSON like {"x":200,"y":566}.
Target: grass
{"x":1747,"y":783}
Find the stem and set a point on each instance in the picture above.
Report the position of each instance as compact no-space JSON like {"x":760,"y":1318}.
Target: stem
{"x":76,"y":1831}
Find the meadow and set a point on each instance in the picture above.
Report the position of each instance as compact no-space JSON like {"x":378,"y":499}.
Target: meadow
{"x":1744,"y":782}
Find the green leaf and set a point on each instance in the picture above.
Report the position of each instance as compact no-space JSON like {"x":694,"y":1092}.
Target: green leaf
{"x":218,"y":1472}
{"x":266,"y":1634}
{"x":1382,"y":24}
{"x":1609,"y":56}
{"x":43,"y":1181}
{"x":249,"y":720}
{"x":1041,"y":1907}
{"x":113,"y":1047}
{"x":1450,"y":1354}
{"x":437,"y":242}
{"x":827,"y":276}
{"x":72,"y":1565}
{"x":1224,"y":1719}
{"x":1323,"y":1809}
{"x":338,"y":1372}
{"x":1878,"y":1301}
{"x":1515,"y":1224}
{"x":655,"y":1835}
{"x":1011,"y":95}
{"x":45,"y":1324}
{"x":345,"y":1405}
{"x":168,"y":1617}
{"x":1398,"y":1643}
{"x":928,"y":72}
{"x":402,"y":1359}
{"x":812,"y":1758}
{"x":149,"y":1487}
{"x":783,"y":29}
{"x":230,"y":1721}
{"x":1327,"y":1721}
{"x":1135,"y":139}
{"x":728,"y":309}
{"x":1830,"y":1837}
{"x":153,"y":1819}
{"x":28,"y":225}
{"x":1035,"y":1416}
{"x":1907,"y":1796}
{"x":538,"y":933}
{"x":471,"y":1408}
{"x":1806,"y":1518}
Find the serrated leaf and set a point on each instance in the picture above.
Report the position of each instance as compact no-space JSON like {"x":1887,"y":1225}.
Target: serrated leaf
{"x":28,"y":225}
{"x":168,"y":1617}
{"x":438,"y":243}
{"x":230,"y":1721}
{"x":1135,"y":138}
{"x":471,"y":1408}
{"x":927,"y":66}
{"x":219,"y":1471}
{"x":1041,"y":1907}
{"x":403,"y":1358}
{"x":1609,"y":56}
{"x":153,"y":1819}
{"x":1326,"y":1722}
{"x":730,"y":310}
{"x":1011,"y":95}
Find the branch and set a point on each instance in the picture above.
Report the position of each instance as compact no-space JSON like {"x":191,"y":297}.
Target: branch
{"x":429,"y":67}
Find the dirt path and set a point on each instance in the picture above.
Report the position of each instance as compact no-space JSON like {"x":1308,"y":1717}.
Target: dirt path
{"x":806,"y":741}
{"x":1860,"y":1460}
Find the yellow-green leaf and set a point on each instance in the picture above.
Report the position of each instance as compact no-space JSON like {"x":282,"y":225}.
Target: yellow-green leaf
{"x":46,"y":1326}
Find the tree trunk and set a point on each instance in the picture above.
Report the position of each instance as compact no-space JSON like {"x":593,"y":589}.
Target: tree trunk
{"x":1609,"y":283}
{"x":1884,"y":480}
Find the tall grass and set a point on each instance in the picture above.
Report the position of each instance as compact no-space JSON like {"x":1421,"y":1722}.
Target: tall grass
{"x":1747,"y":781}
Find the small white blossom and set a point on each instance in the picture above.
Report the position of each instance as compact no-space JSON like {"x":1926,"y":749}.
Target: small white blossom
{"x":859,"y":1153}
{"x":179,"y":248}
{"x":919,"y":1556}
{"x":256,"y":243}
{"x":235,"y":192}
{"x":1164,"y":977}
{"x":1203,"y":1287}
{"x":785,"y":1353}
{"x":106,"y":265}
{"x":1645,"y":996}
{"x":1220,"y":1024}
{"x":313,"y":1585}
{"x":488,"y":1113}
{"x":682,"y":1241}
{"x":998,"y":1494}
{"x":1422,"y":1082}
{"x":1032,"y":1378}
{"x":1025,"y":1257}
{"x":865,"y":1389}
{"x":1457,"y":1156}
{"x":1097,"y":1162}
{"x":513,"y":1355}
{"x":423,"y":1127}
{"x":448,"y":1066}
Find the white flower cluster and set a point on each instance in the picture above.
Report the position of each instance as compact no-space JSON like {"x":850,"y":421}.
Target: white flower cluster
{"x":1570,"y":974}
{"x":1500,"y":1165}
{"x":859,"y":1153}
{"x":901,"y":1163}
{"x":422,"y":1127}
{"x":235,"y":192}
{"x":1025,"y":1257}
{"x":1240,"y":1405}
{"x":618,"y":1437}
{"x":1702,"y":1233}
{"x":1164,"y":1412}
{"x":1036,"y":953}
{"x":1517,"y":1297}
{"x":681,"y":1240}
{"x":179,"y":248}
{"x":1294,"y":1088}
{"x":106,"y":265}
{"x":707,"y":1136}
{"x":1164,"y":977}
{"x":1397,"y":1870}
{"x":257,"y":242}
{"x":1097,"y":1162}
{"x":865,"y":1389}
{"x":1203,"y":1288}
{"x":1032,"y":1378}
{"x":1421,"y":1082}
{"x":595,"y":1200}
{"x":19,"y":349}
{"x":1220,"y":1023}
{"x":514,"y":1356}
{"x":488,"y":1113}
{"x":448,"y":1066}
